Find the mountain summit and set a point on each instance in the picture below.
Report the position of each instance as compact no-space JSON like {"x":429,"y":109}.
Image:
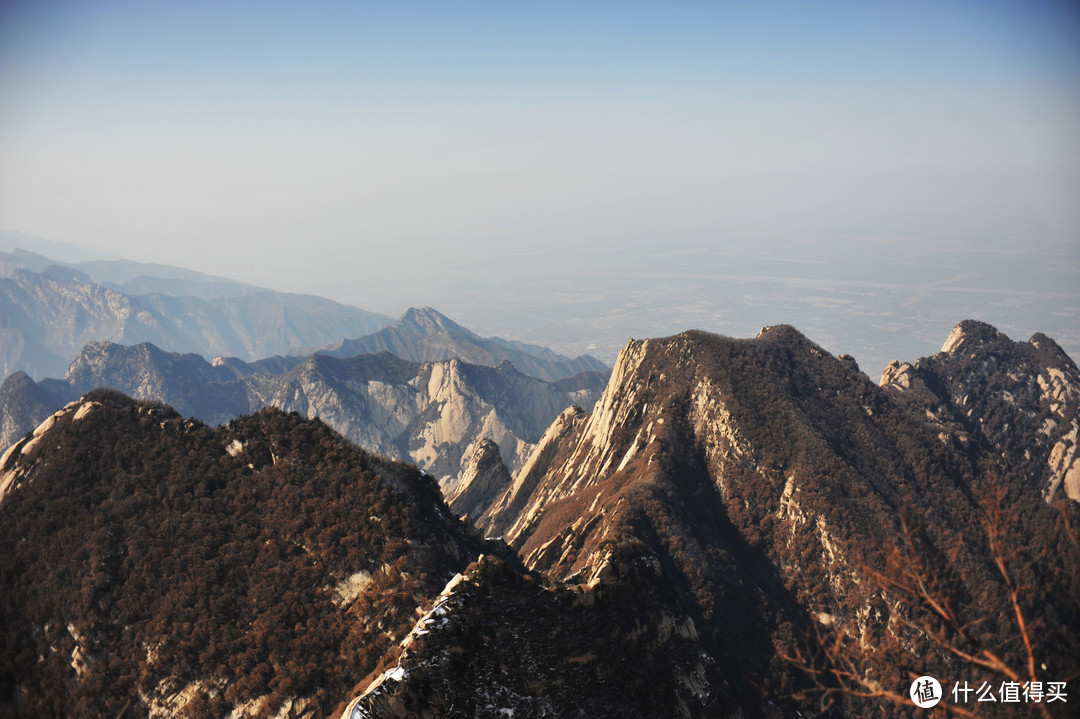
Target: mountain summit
{"x":429,"y":321}
{"x":194,"y":572}
{"x":1022,"y":399}
{"x":425,"y":335}
{"x":799,"y":523}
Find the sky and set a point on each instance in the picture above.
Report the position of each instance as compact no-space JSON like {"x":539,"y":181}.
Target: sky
{"x":570,"y":173}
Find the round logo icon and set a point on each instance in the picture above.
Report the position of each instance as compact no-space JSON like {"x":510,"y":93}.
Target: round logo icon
{"x":925,"y":692}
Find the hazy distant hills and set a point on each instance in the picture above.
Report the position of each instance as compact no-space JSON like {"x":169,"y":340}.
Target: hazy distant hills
{"x":127,"y":276}
{"x":431,"y":413}
{"x":425,"y":335}
{"x":741,"y":527}
{"x":47,"y":313}
{"x":49,"y":310}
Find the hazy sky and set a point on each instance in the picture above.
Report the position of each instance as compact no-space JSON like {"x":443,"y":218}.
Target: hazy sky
{"x":357,"y":150}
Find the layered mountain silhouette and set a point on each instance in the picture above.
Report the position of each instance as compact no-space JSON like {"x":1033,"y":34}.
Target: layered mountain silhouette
{"x":48,"y":313}
{"x":126,"y":276}
{"x":425,"y":335}
{"x":432,"y":413}
{"x":741,"y":527}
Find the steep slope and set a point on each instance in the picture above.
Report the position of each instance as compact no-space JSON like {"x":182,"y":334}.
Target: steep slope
{"x":1020,"y":399}
{"x":425,"y":335}
{"x":24,"y":404}
{"x":46,"y":318}
{"x":432,"y":413}
{"x":497,"y":644}
{"x":764,"y":478}
{"x":485,"y":480}
{"x":259,"y":568}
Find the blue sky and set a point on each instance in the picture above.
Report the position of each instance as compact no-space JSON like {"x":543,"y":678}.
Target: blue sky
{"x":299,"y":145}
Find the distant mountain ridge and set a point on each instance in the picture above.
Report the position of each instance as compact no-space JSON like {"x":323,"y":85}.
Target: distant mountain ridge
{"x":49,"y":309}
{"x":128,"y":276}
{"x":432,"y":413}
{"x":425,"y":335}
{"x":46,"y":317}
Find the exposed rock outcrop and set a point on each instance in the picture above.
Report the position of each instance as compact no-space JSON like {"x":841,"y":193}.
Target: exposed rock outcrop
{"x":485,"y":479}
{"x":433,"y":413}
{"x":1021,"y":399}
{"x":425,"y":335}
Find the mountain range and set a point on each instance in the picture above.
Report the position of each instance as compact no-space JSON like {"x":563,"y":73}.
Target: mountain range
{"x":47,"y":315}
{"x":50,"y":309}
{"x":740,"y":527}
{"x":425,"y":335}
{"x":432,"y":413}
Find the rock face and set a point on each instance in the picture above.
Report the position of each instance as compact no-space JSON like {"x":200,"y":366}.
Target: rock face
{"x":434,"y":413}
{"x":1021,"y":399}
{"x":750,"y":489}
{"x":24,"y":404}
{"x":509,"y":511}
{"x":425,"y":335}
{"x":485,"y":479}
{"x":49,"y":316}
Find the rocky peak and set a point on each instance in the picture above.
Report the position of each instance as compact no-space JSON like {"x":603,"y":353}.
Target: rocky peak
{"x":95,"y":357}
{"x":897,"y":374}
{"x":427,"y":320}
{"x":969,"y":332}
{"x":484,"y":480}
{"x":17,"y":463}
{"x":780,"y":333}
{"x":1022,"y":399}
{"x":1050,"y":352}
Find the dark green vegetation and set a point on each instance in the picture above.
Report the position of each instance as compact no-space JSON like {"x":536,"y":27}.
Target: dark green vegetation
{"x":138,"y":548}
